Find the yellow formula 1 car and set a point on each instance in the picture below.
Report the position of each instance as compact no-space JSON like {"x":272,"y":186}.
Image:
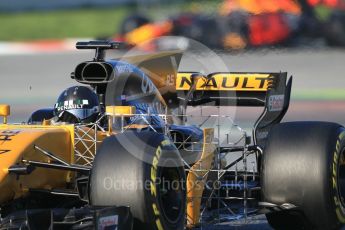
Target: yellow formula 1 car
{"x":122,"y":153}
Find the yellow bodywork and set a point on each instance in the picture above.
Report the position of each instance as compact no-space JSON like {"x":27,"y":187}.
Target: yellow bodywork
{"x":17,"y":144}
{"x":120,"y":110}
{"x":71,"y":144}
{"x":5,"y":112}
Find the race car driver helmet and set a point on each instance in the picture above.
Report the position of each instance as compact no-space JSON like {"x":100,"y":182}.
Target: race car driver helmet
{"x":77,"y":104}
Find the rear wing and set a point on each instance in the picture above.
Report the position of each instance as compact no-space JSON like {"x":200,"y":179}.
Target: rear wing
{"x":270,"y":90}
{"x":240,"y":89}
{"x":180,"y":89}
{"x":224,"y":89}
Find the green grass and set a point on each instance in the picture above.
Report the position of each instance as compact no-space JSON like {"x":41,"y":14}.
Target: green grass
{"x":89,"y":22}
{"x":61,"y":24}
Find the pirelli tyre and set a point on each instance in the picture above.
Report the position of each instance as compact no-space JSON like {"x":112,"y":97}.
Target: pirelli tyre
{"x":142,"y":170}
{"x":303,"y":169}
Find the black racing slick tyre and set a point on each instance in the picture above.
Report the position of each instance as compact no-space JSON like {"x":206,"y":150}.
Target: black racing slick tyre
{"x":303,"y":168}
{"x":142,"y":170}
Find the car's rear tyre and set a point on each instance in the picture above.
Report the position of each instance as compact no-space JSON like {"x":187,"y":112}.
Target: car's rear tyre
{"x":142,"y":170}
{"x":303,"y":165}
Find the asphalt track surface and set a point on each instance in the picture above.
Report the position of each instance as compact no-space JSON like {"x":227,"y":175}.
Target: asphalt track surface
{"x":32,"y":81}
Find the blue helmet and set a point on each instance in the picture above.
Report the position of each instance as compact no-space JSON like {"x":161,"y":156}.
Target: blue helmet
{"x":77,"y":104}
